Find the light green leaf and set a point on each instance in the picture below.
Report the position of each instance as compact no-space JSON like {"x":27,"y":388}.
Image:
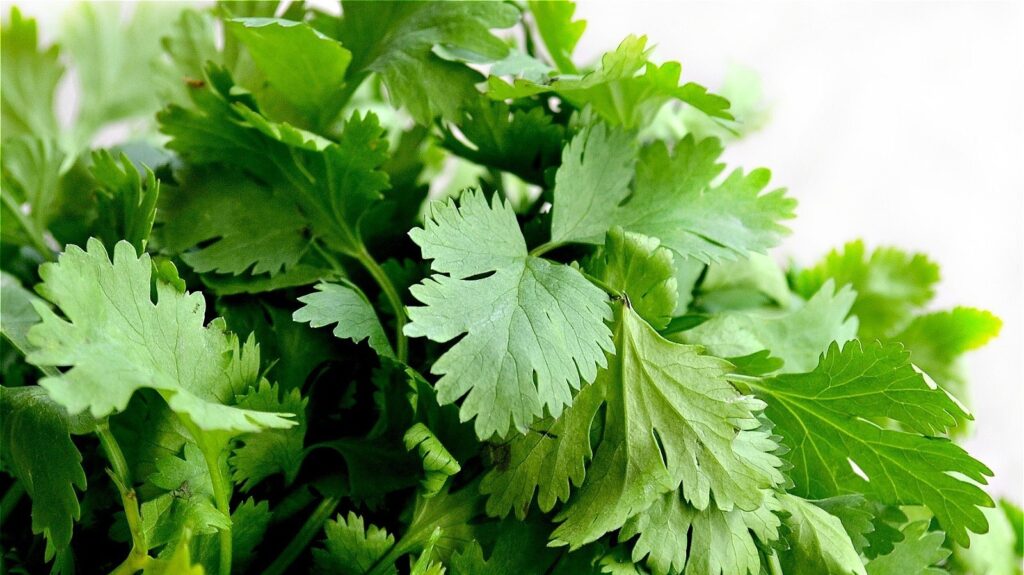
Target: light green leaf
{"x":559,"y":31}
{"x":352,"y":549}
{"x":534,"y":329}
{"x":187,"y":501}
{"x":826,"y":417}
{"x":676,"y":538}
{"x":291,"y":55}
{"x":798,"y":337}
{"x":270,"y":451}
{"x":116,"y":340}
{"x":890,"y":284}
{"x":818,"y":544}
{"x":37,"y":449}
{"x":126,"y":203}
{"x":346,"y":307}
{"x":396,"y":40}
{"x":637,"y":266}
{"x":673,"y":198}
{"x":264,"y":237}
{"x":518,"y":549}
{"x":992,"y":553}
{"x":178,"y":562}
{"x":438,"y":464}
{"x":30,"y":171}
{"x":617,"y":91}
{"x":19,"y":313}
{"x":758,"y":278}
{"x":672,"y":422}
{"x":916,"y":554}
{"x":29,"y":84}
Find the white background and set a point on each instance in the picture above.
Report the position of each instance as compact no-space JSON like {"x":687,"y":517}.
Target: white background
{"x":898,"y":122}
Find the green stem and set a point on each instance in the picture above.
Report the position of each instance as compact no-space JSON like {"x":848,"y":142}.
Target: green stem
{"x":309,"y":529}
{"x":545,"y":248}
{"x":393,"y":298}
{"x":132,"y":565}
{"x":34,"y":235}
{"x":222,"y":499}
{"x":11,"y":499}
{"x":121,"y":477}
{"x":615,"y":293}
{"x":773,"y":564}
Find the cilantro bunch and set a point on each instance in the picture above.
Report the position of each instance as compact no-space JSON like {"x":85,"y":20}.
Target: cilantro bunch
{"x":409,"y":289}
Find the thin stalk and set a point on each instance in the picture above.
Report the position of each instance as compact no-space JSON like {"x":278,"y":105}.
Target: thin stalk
{"x":34,"y":235}
{"x":222,"y":499}
{"x":773,"y":564}
{"x":11,"y":499}
{"x":544,"y":248}
{"x":615,"y":293}
{"x":393,"y":298}
{"x":119,"y":474}
{"x":309,"y":529}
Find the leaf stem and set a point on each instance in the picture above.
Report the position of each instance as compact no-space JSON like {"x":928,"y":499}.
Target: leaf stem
{"x":309,"y":529}
{"x":222,"y":499}
{"x":34,"y":235}
{"x":545,"y":248}
{"x":615,"y":293}
{"x":11,"y":499}
{"x":121,"y":477}
{"x":386,"y":286}
{"x":773,"y":564}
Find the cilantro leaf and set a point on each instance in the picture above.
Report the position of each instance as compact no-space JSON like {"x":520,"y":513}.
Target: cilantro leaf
{"x":617,"y":91}
{"x":798,"y":336}
{"x":19,"y":313}
{"x":639,"y":267}
{"x":274,"y":450}
{"x":915,"y":555}
{"x":347,"y":308}
{"x":30,"y":171}
{"x":674,"y":537}
{"x":826,"y":417}
{"x":690,"y":215}
{"x":186,"y":501}
{"x":672,"y":421}
{"x":559,"y":31}
{"x":117,"y":340}
{"x":352,"y":549}
{"x":396,"y":40}
{"x":178,"y":562}
{"x":293,"y":54}
{"x":126,"y":203}
{"x":507,"y":556}
{"x":818,"y":543}
{"x":37,"y":449}
{"x":266,"y":237}
{"x":438,"y":464}
{"x":890,"y":284}
{"x":992,"y":552}
{"x":937,"y":340}
{"x":534,"y":330}
{"x":29,"y":86}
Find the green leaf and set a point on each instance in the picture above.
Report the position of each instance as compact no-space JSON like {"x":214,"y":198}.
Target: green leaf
{"x":126,"y":204}
{"x":509,"y":556}
{"x":731,"y":284}
{"x":30,"y":172}
{"x":178,"y":562}
{"x":826,"y":418}
{"x":19,"y":313}
{"x":352,"y":549}
{"x":617,"y":91}
{"x":690,"y":215}
{"x":522,"y":142}
{"x":818,"y":544}
{"x":890,"y":284}
{"x":559,"y":31}
{"x":438,"y":464}
{"x":270,"y":451}
{"x":798,"y":336}
{"x":672,"y":421}
{"x":937,"y":340}
{"x":992,"y":553}
{"x":37,"y":449}
{"x":674,"y":537}
{"x":637,"y":266}
{"x":186,"y":501}
{"x":855,"y":513}
{"x":534,"y":329}
{"x":915,"y":555}
{"x":116,"y":340}
{"x":346,"y":307}
{"x":30,"y":78}
{"x":396,"y":40}
{"x":292,"y":54}
{"x":266,"y":237}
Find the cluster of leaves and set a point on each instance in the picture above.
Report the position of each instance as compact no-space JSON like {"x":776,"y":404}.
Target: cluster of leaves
{"x":247,"y":341}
